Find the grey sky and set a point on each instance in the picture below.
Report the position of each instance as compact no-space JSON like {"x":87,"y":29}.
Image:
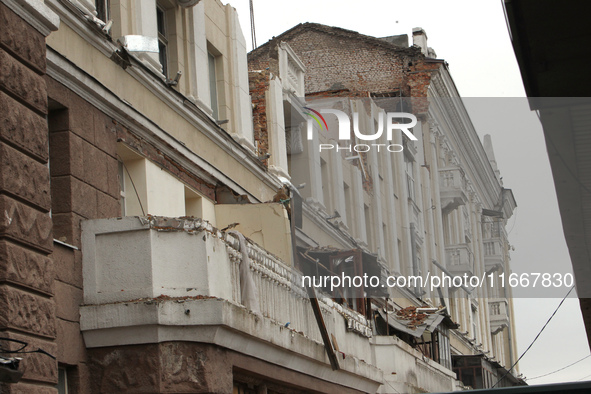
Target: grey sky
{"x":473,"y":38}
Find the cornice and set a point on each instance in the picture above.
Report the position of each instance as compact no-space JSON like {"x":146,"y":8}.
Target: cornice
{"x":91,"y":90}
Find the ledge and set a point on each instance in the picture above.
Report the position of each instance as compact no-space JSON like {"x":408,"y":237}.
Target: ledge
{"x":220,"y":322}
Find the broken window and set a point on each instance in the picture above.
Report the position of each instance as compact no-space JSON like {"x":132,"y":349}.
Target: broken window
{"x":425,"y":329}
{"x":350,"y":267}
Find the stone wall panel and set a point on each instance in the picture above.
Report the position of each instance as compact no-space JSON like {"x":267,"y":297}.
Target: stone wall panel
{"x":26,"y":267}
{"x":25,"y":224}
{"x":21,"y":81}
{"x":129,"y":369}
{"x":21,"y":38}
{"x":27,"y":312}
{"x":68,"y":300}
{"x":24,"y":177}
{"x":71,"y":350}
{"x":27,"y":388}
{"x":194,"y":367}
{"x":66,"y":228}
{"x":37,"y":366}
{"x":68,"y":268}
{"x":67,"y":156}
{"x":23,"y":127}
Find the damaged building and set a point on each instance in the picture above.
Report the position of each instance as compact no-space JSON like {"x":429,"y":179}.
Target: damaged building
{"x":161,"y":204}
{"x":432,"y":205}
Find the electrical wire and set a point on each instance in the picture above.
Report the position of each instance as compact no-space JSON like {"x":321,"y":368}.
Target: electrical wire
{"x":558,"y":370}
{"x":21,"y":350}
{"x":252,"y":30}
{"x":535,"y":339}
{"x":584,"y":378}
{"x":139,"y":200}
{"x":514,"y":221}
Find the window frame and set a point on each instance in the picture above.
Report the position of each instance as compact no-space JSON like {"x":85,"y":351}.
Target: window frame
{"x":103,"y":9}
{"x":161,"y":26}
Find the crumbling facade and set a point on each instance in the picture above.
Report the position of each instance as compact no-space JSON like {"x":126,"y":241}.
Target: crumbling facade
{"x":432,"y":206}
{"x":141,"y":191}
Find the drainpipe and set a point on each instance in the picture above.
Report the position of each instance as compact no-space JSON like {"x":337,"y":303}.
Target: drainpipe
{"x":415,"y":268}
{"x":509,"y":333}
{"x":510,"y":344}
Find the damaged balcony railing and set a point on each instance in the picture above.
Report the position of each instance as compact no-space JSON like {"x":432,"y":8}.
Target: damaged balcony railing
{"x":281,"y":296}
{"x":133,"y":259}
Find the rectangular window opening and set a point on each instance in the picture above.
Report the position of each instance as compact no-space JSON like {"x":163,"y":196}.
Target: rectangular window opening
{"x":162,"y":39}
{"x":103,"y":9}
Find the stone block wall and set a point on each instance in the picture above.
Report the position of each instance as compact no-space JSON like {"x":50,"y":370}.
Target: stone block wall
{"x":27,"y":288}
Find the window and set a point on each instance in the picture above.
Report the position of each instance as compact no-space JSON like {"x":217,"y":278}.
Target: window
{"x":325,"y":184}
{"x":103,"y":9}
{"x":213,"y":91}
{"x":348,"y":207}
{"x":132,"y":182}
{"x":243,"y":388}
{"x":410,"y":180}
{"x":162,"y":39}
{"x":388,"y":244}
{"x":122,"y":187}
{"x":199,"y":206}
{"x":62,"y":381}
{"x":368,"y":227}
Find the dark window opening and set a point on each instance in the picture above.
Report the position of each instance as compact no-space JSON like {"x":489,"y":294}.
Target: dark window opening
{"x":162,"y":39}
{"x":213,"y":91}
{"x":103,"y":9}
{"x":322,"y":263}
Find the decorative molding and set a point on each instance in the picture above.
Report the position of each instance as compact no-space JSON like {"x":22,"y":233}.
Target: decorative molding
{"x":36,"y":13}
{"x":98,"y":95}
{"x":187,"y":3}
{"x":186,"y":107}
{"x":451,"y":107}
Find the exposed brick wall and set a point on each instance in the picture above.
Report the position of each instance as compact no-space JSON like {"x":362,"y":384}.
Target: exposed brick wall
{"x":27,"y":307}
{"x":419,"y":81}
{"x":338,"y":59}
{"x":344,"y":63}
{"x":258,"y":86}
{"x":147,"y":150}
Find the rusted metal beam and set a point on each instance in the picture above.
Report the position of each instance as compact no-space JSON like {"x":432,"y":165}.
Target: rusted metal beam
{"x":334,"y":362}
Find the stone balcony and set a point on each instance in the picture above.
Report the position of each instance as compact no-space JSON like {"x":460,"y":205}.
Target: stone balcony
{"x":499,"y":315}
{"x":452,"y":189}
{"x":152,"y":280}
{"x":493,"y":254}
{"x":460,"y":259}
